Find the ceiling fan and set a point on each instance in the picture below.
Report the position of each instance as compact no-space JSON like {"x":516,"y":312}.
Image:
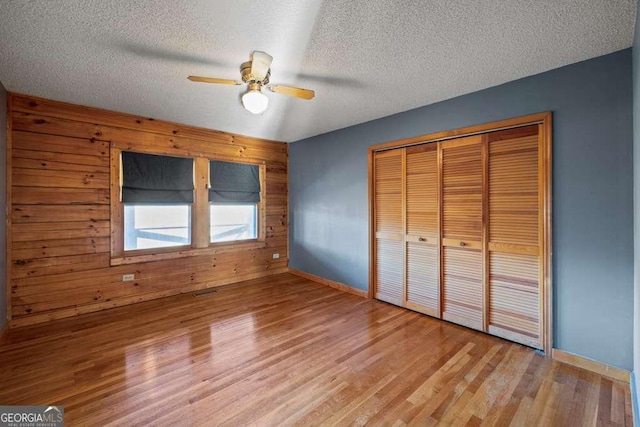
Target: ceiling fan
{"x":255,"y":73}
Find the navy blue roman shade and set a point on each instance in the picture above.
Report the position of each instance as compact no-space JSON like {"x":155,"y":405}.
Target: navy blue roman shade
{"x":234,"y":182}
{"x":149,"y":178}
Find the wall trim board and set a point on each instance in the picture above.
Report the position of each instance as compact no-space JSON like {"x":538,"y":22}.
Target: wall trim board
{"x":634,"y":396}
{"x":164,"y":254}
{"x":74,"y":311}
{"x":9,"y":201}
{"x":332,"y":284}
{"x":513,"y":122}
{"x":591,"y":365}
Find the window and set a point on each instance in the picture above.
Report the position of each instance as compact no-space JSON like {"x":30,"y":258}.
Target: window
{"x":157,"y":192}
{"x":234,"y":196}
{"x":171,"y":207}
{"x":156,"y":226}
{"x":233,"y":222}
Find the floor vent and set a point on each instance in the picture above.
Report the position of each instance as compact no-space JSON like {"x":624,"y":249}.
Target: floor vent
{"x":205,"y":292}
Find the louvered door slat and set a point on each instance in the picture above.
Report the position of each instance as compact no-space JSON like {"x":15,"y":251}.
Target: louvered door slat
{"x":389,"y":266}
{"x":514,"y":225}
{"x":388,"y":186}
{"x":462,"y":206}
{"x":514,"y":298}
{"x":462,"y":299}
{"x":422,"y":264}
{"x":422,"y":278}
{"x":422,"y":191}
{"x":513,"y":191}
{"x":462,"y":189}
{"x":389,"y":226}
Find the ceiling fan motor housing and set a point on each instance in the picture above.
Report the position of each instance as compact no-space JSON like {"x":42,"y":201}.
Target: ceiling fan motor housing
{"x":247,"y":77}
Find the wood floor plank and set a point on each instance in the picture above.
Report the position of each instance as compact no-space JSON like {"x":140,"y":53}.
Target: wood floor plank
{"x":286,"y":351}
{"x":459,"y":386}
{"x":569,"y":382}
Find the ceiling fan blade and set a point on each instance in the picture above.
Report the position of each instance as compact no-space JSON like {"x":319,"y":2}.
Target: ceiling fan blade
{"x":260,"y":64}
{"x":292,"y":91}
{"x":213,"y":80}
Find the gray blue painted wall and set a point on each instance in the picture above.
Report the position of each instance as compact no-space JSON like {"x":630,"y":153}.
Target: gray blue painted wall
{"x":592,"y":194}
{"x":3,"y":206}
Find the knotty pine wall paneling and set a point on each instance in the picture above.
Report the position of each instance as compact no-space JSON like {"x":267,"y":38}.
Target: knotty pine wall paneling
{"x":60,"y":258}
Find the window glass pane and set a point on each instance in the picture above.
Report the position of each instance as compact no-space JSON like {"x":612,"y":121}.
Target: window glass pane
{"x":156,"y":226}
{"x":233,"y":222}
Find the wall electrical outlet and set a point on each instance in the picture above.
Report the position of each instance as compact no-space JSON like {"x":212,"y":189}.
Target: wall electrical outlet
{"x":128,"y":277}
{"x":276,"y":256}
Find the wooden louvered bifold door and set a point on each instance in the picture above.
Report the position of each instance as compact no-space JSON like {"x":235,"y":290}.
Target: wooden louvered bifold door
{"x":462,"y":230}
{"x":422,"y":234}
{"x":389,"y":226}
{"x":514,"y":307}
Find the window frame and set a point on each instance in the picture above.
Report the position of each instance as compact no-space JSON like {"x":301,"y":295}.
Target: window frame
{"x":261,"y":217}
{"x":200,"y":238}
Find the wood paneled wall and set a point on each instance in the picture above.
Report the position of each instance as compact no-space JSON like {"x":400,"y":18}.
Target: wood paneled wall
{"x":58,"y":172}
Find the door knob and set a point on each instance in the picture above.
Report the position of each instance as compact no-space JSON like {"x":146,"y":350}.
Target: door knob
{"x":463,"y":244}
{"x":422,"y":239}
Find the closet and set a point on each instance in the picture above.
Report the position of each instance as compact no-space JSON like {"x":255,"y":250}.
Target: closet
{"x":460,"y":226}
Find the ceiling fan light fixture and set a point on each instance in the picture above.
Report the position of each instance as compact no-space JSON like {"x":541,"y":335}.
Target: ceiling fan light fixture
{"x":256,"y":74}
{"x":254,"y":100}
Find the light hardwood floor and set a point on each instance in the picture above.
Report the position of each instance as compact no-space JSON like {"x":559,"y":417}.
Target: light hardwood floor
{"x":284,"y":350}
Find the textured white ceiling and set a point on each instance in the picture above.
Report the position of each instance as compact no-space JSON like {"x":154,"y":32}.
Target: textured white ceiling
{"x":365,"y":59}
